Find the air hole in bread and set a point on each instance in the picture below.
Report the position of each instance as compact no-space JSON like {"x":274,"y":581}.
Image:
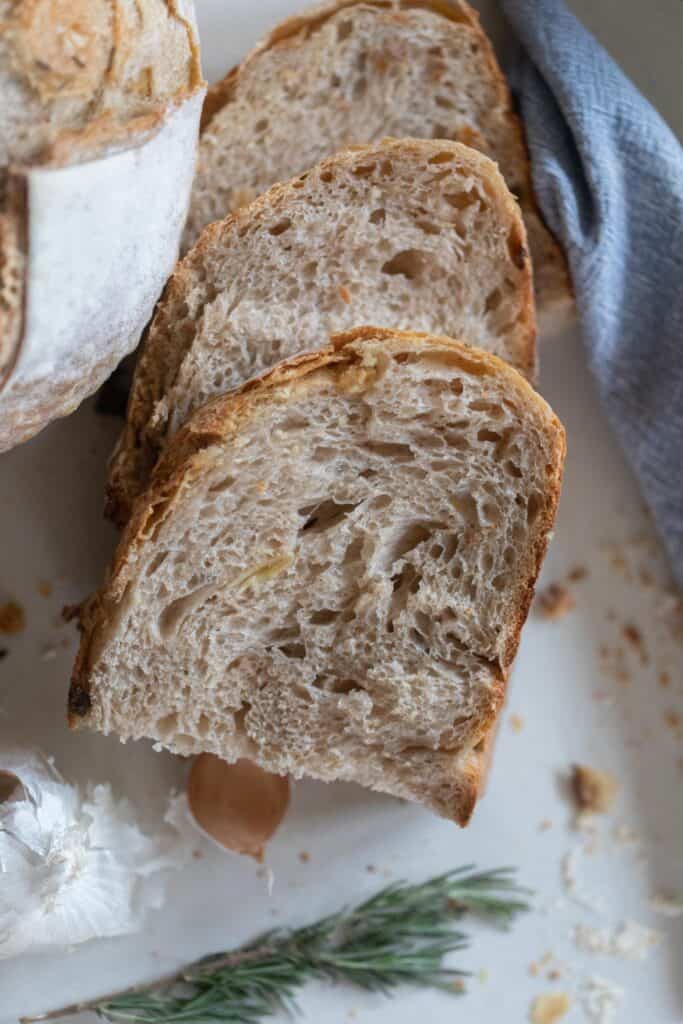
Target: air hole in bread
{"x":203,"y":726}
{"x":428,"y":227}
{"x":344,"y":29}
{"x":409,"y":263}
{"x":512,"y":469}
{"x":360,"y":87}
{"x":492,"y":513}
{"x":344,"y":686}
{"x":324,"y":616}
{"x":325,"y":515}
{"x":500,"y":582}
{"x":354,"y":552}
{"x":489,"y":435}
{"x":411,"y":537}
{"x":445,"y":157}
{"x":174,"y":614}
{"x":493,"y":300}
{"x":166,"y":727}
{"x":322,"y":453}
{"x":387,"y":449}
{"x":222,"y":485}
{"x":280,"y":227}
{"x":533,"y":507}
{"x":363,"y":170}
{"x":490,"y":408}
{"x":419,"y":640}
{"x":261,"y":125}
{"x":378,"y":216}
{"x":156,"y":562}
{"x":462,"y":200}
{"x":296,"y":651}
{"x":445,"y":103}
{"x":467,"y":507}
{"x":326,"y":176}
{"x":335,"y":81}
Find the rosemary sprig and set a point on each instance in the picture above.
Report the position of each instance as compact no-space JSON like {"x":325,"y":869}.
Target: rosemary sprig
{"x":400,"y":936}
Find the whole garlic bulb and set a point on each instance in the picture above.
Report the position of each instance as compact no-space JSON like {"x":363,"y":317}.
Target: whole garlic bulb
{"x":74,"y":866}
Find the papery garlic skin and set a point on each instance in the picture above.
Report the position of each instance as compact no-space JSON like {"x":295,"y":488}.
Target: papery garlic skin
{"x":75,"y":866}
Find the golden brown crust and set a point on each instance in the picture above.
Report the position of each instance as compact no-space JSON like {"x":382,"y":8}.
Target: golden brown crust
{"x":550,"y":265}
{"x":138,"y":448}
{"x":13,"y":253}
{"x":190,"y":453}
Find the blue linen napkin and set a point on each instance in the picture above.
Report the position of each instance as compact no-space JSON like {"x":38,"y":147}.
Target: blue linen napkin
{"x":608,"y":174}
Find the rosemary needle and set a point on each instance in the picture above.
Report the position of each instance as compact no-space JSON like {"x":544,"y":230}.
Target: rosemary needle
{"x":400,"y":936}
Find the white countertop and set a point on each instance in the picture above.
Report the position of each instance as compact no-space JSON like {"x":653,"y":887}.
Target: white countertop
{"x":567,"y":703}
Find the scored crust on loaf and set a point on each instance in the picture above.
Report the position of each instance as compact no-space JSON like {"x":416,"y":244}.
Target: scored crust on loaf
{"x":354,"y":71}
{"x":331,"y":568}
{"x":412,"y":234}
{"x":76,"y":76}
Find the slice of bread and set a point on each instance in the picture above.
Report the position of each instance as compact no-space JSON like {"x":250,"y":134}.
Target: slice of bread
{"x":412,"y":234}
{"x":331,"y":569}
{"x":354,"y":71}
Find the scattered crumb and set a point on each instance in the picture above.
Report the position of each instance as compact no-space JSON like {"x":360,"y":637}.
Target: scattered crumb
{"x":666,"y":904}
{"x":549,"y":1008}
{"x":458,"y":986}
{"x":71,"y":612}
{"x":673,"y":720}
{"x":600,"y":999}
{"x":664,"y":679}
{"x":12,"y":618}
{"x":534,"y":969}
{"x":44,"y":588}
{"x":593,"y":791}
{"x":629,"y":940}
{"x":544,"y":825}
{"x":197,"y":854}
{"x":304,"y":856}
{"x":555,"y":974}
{"x":516,"y":722}
{"x":371,"y":869}
{"x":578,"y":573}
{"x":554,"y":602}
{"x":634,"y":638}
{"x":344,"y":294}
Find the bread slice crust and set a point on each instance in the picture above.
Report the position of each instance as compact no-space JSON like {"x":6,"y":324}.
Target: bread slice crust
{"x":351,"y":360}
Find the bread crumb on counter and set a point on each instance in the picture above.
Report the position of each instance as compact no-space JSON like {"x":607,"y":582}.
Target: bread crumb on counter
{"x":578,"y":573}
{"x":554,"y":602}
{"x":516,"y":722}
{"x":304,"y":856}
{"x":12,"y":618}
{"x":593,"y":791}
{"x":44,"y":588}
{"x":549,"y":1008}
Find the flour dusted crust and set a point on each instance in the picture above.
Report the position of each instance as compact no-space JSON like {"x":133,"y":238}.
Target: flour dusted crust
{"x":99,"y":108}
{"x":167,"y":648}
{"x":420,"y":38}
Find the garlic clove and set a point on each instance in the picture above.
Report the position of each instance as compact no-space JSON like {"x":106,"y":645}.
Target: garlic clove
{"x":238,"y":805}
